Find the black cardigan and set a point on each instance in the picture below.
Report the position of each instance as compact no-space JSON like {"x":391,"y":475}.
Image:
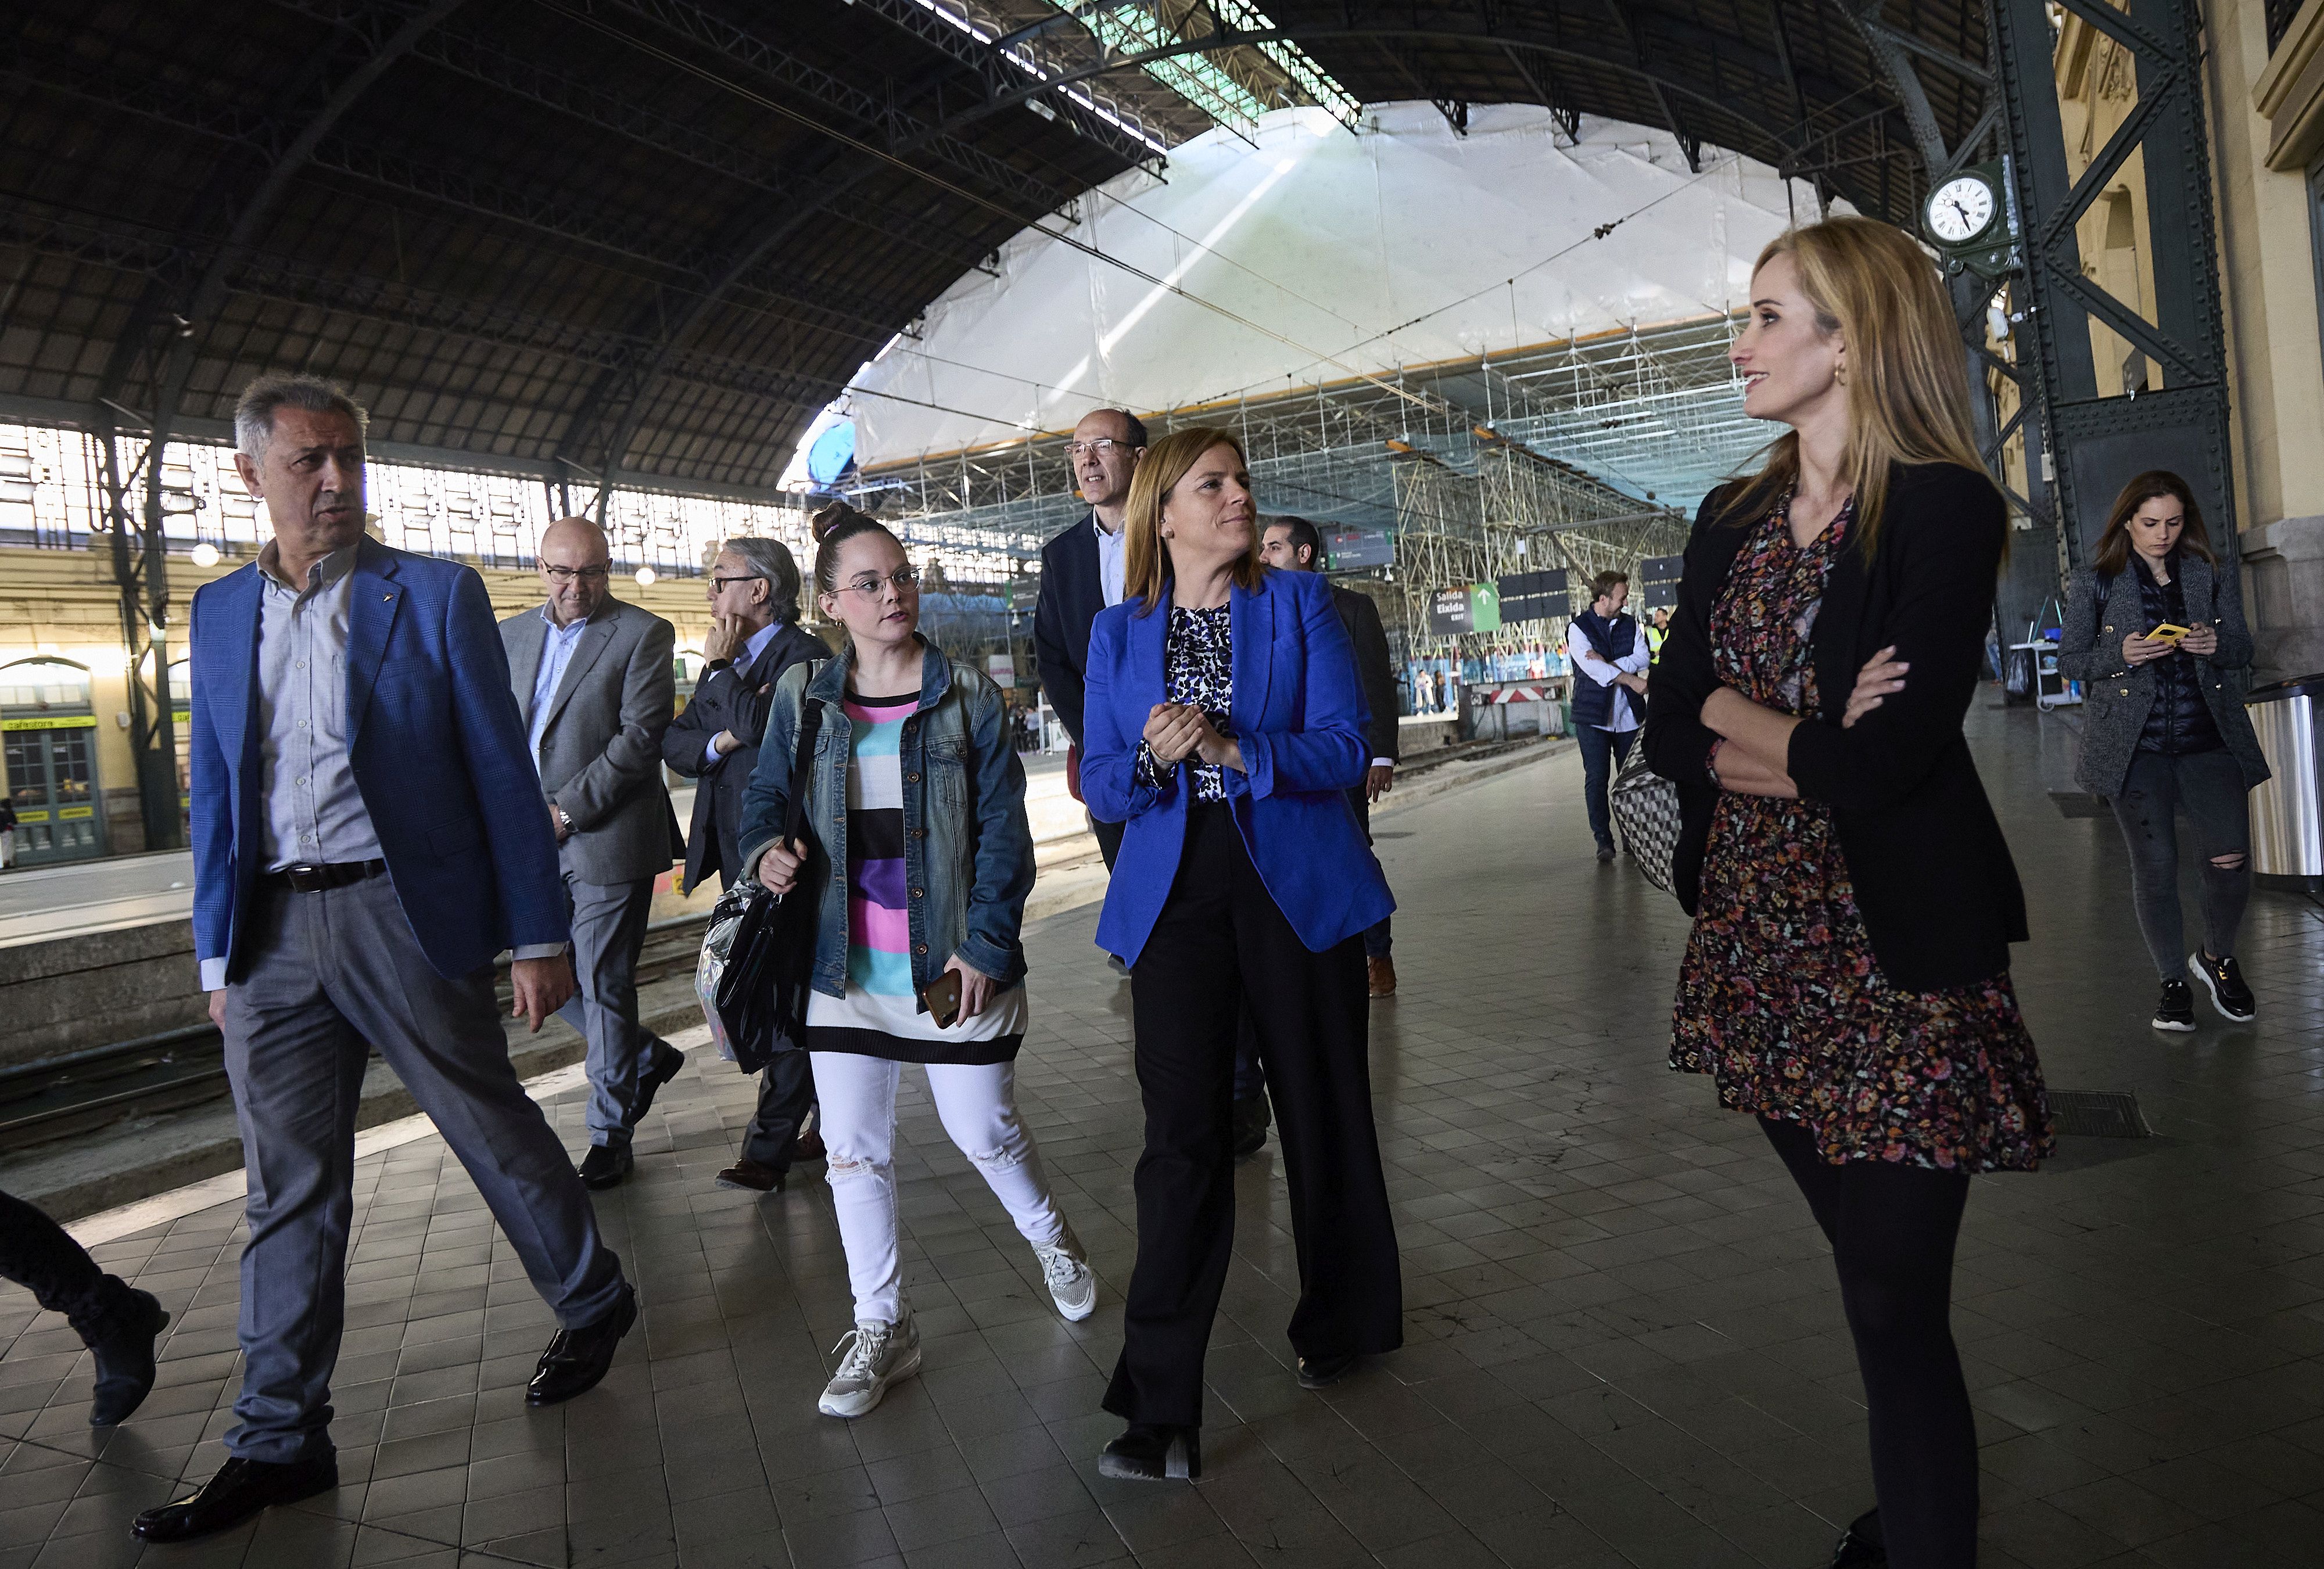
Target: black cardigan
{"x":1933,"y":880}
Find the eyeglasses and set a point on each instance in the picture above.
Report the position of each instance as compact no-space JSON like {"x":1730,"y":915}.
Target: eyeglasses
{"x":718,"y":584}
{"x":905,"y":579}
{"x":561,"y":576}
{"x":1101,"y":446}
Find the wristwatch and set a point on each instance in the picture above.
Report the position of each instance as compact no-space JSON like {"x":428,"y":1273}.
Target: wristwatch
{"x":566,"y":818}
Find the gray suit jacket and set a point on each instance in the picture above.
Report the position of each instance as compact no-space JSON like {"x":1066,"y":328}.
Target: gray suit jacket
{"x":601,"y":756}
{"x":2116,"y":697}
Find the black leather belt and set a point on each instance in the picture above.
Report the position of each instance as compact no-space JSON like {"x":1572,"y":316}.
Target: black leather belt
{"x":305,"y":879}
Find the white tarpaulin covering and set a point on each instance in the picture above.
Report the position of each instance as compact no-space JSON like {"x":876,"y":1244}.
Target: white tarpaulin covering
{"x":1396,"y":246}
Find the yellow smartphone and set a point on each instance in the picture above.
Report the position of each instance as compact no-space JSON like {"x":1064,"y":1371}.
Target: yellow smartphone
{"x":2168,"y":633}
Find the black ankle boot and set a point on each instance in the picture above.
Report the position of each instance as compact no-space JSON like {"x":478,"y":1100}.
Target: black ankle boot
{"x":1149,"y":1452}
{"x":125,"y":1360}
{"x":1861,"y":1547}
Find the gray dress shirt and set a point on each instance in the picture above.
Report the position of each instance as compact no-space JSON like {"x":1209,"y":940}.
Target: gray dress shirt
{"x":314,"y":815}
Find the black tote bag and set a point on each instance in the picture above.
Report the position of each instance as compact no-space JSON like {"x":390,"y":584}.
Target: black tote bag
{"x":758,"y":955}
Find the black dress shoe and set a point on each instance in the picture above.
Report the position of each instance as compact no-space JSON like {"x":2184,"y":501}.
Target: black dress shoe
{"x":1251,"y":1118}
{"x":1322,"y":1373}
{"x":1861,"y":1547}
{"x":1149,"y":1452}
{"x":605,"y":1165}
{"x":125,"y":1362}
{"x":666,"y":1060}
{"x":240,"y":1490}
{"x":577,"y":1359}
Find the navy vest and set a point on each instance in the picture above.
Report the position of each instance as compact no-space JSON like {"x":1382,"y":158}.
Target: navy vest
{"x":1594,"y":704}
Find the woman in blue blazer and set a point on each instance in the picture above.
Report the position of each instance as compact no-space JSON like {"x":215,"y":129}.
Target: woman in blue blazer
{"x":1223,"y":724}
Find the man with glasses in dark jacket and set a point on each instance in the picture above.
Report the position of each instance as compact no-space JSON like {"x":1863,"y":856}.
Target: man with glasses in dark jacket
{"x":754,"y":637}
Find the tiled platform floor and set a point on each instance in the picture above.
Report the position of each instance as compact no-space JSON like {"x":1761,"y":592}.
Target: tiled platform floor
{"x":1624,"y":1342}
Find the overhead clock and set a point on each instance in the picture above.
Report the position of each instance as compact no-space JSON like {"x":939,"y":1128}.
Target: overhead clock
{"x":1967,"y":218}
{"x":1960,"y":209}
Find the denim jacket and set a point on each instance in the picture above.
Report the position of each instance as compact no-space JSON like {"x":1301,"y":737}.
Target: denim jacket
{"x":968,"y":850}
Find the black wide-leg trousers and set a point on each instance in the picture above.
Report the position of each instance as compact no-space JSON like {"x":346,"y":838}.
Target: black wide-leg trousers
{"x":1222,"y":944}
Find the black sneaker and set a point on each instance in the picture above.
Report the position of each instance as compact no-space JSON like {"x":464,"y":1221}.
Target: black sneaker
{"x":2225,"y":982}
{"x":2176,"y":1008}
{"x":1605,"y":854}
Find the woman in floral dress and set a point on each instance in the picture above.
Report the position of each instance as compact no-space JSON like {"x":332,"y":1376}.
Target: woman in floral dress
{"x":1848,"y":977}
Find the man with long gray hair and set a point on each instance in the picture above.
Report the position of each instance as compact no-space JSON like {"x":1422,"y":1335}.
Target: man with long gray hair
{"x":754,"y":637}
{"x":368,"y":834}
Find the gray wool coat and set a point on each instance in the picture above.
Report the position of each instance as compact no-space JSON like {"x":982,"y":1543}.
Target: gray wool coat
{"x":2116,"y":697}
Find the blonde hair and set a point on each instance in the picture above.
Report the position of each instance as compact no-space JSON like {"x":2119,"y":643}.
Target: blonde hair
{"x":1145,"y":565}
{"x":1907,"y":372}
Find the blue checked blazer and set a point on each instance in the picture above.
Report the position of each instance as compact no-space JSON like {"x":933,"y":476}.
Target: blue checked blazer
{"x":436,"y":745}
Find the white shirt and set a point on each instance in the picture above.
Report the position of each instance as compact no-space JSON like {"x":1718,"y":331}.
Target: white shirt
{"x":1633,"y":663}
{"x":1110,"y":551}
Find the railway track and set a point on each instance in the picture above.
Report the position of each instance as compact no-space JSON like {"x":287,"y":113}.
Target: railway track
{"x":41,"y":1102}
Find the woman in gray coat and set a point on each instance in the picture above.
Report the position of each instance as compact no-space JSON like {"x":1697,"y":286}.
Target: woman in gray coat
{"x":2164,"y":727}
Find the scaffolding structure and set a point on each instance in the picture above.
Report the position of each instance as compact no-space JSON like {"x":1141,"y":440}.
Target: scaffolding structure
{"x":1579,"y":453}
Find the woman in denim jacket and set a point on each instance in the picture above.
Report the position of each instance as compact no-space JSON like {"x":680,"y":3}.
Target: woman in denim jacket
{"x":916,"y":835}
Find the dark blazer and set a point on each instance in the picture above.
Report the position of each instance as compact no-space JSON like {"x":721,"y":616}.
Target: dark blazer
{"x":1369,"y":638}
{"x":1298,"y":714}
{"x":1072,"y":594}
{"x":2115,"y":699}
{"x":1933,"y":880}
{"x":436,"y":745}
{"x":725,"y":700}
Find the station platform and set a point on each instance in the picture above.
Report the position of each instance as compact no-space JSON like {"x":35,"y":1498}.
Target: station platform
{"x":1623,"y":1342}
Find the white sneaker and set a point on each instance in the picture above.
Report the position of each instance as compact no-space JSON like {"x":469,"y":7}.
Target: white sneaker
{"x":875,"y":1355}
{"x":1073,"y":1284}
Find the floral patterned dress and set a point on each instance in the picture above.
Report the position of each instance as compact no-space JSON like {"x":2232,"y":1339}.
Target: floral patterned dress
{"x":1780,"y":998}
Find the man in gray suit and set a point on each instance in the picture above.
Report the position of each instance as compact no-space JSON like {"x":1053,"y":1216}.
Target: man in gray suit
{"x":595,"y":679}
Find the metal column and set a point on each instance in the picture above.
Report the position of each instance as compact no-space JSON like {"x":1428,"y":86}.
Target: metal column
{"x":2099,"y":439}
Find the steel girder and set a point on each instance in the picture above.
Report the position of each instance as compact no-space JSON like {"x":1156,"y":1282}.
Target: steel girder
{"x":2099,"y":441}
{"x":179,"y":312}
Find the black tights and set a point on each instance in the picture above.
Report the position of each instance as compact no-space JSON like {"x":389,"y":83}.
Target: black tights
{"x":1892,"y":1230}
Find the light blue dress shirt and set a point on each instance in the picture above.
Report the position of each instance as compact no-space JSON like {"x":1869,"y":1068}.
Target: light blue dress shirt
{"x":314,"y":813}
{"x":753,"y":647}
{"x":1111,"y":553}
{"x":556,"y":652}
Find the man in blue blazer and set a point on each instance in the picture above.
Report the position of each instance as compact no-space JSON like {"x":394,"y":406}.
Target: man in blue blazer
{"x":368,"y":834}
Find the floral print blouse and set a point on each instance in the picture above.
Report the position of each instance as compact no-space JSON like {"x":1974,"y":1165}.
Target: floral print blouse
{"x":1199,"y":668}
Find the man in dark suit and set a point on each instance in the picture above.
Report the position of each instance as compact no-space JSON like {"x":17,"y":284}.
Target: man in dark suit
{"x":593,"y":677}
{"x":1082,"y":573}
{"x":1293,"y":545}
{"x":754,"y":637}
{"x":368,"y":834}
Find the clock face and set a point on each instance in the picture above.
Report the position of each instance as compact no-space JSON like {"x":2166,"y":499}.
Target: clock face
{"x":1961,"y":208}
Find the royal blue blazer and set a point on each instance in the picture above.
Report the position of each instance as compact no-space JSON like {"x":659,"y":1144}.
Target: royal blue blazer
{"x":438,"y":753}
{"x":1298,"y":715}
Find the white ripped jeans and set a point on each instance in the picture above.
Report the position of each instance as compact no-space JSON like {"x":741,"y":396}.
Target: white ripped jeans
{"x":978,"y":1106}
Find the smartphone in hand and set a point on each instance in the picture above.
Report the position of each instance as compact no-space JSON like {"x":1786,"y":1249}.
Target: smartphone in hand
{"x":2168,"y":633}
{"x":941,"y":996}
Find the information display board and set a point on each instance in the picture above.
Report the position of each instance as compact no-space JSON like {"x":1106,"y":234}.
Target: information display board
{"x":1657,"y":585}
{"x":1535,"y":597}
{"x":1358,"y":550}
